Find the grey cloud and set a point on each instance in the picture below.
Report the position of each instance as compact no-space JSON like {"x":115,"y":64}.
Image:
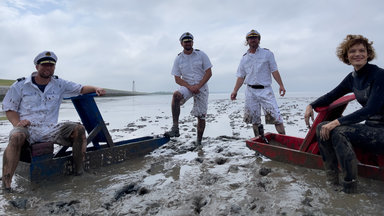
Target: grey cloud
{"x":111,"y":43}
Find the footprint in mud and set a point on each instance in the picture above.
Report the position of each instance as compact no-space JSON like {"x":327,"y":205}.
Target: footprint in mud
{"x":235,"y":209}
{"x":234,"y":186}
{"x":227,"y":138}
{"x":307,"y":201}
{"x":61,"y":207}
{"x":198,"y":203}
{"x":181,"y":147}
{"x":308,"y":198}
{"x":131,"y":127}
{"x":208,"y":179}
{"x":233,"y":169}
{"x":199,"y":159}
{"x":264,"y":171}
{"x":20,"y":203}
{"x":262,"y":185}
{"x":132,"y":188}
{"x":221,"y":161}
{"x":264,"y":182}
{"x":219,"y":149}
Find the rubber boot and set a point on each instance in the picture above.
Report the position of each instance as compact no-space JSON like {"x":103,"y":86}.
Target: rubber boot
{"x":350,"y":187}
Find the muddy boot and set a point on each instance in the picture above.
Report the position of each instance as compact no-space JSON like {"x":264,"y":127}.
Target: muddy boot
{"x":174,"y":132}
{"x":350,"y":187}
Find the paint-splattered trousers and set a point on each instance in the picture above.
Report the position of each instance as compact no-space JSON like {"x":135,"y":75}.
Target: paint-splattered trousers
{"x":338,"y":149}
{"x":200,"y":101}
{"x":257,"y":99}
{"x":59,"y":134}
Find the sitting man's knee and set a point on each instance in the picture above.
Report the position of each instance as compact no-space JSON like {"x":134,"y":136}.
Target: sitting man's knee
{"x":177,"y":96}
{"x":17,"y":138}
{"x":80,"y":129}
{"x":19,"y":135}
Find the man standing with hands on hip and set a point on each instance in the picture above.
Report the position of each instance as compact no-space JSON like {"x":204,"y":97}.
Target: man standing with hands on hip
{"x":192,"y":70}
{"x":255,"y":70}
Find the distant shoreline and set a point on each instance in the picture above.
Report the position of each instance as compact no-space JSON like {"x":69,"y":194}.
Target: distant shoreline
{"x":109,"y":92}
{"x":3,"y":91}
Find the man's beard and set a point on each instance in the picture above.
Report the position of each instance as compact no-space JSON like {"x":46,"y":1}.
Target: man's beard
{"x":254,"y":45}
{"x":45,"y":76}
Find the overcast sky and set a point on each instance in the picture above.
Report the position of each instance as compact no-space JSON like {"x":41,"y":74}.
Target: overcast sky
{"x":111,"y":43}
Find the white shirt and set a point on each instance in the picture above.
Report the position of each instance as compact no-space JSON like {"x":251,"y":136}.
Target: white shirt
{"x":191,"y":67}
{"x":257,"y":67}
{"x":40,"y":108}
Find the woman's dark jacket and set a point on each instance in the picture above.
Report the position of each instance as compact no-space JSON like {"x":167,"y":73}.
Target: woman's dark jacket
{"x":368,"y":86}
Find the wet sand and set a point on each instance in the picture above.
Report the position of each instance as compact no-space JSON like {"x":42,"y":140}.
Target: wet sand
{"x":222,"y":178}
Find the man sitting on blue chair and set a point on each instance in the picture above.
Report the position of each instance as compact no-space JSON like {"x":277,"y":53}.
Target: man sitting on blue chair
{"x":32,"y":106}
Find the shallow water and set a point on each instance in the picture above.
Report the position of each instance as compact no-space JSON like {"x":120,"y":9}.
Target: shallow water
{"x":177,"y":179}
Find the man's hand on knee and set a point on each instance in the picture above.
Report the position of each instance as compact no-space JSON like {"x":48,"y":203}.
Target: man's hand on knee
{"x":23,"y":123}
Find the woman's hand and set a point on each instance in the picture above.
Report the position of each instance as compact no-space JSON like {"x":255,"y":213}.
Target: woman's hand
{"x":327,"y":128}
{"x":308,"y":114}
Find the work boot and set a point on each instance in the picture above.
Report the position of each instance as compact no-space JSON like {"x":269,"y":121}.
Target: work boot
{"x":174,"y":132}
{"x":350,"y":187}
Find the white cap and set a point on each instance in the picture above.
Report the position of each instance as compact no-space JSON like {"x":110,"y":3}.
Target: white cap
{"x":252,"y":33}
{"x":186,"y":37}
{"x":45,"y":57}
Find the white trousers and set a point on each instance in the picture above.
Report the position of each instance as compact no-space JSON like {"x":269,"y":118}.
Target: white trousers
{"x":200,"y":101}
{"x":255,"y":99}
